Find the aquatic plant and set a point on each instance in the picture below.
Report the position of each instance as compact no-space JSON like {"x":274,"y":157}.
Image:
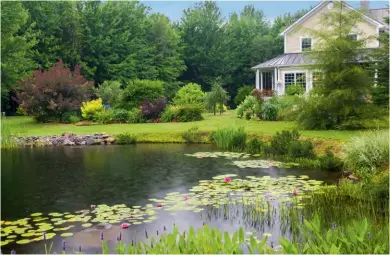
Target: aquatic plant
{"x":230,"y":139}
{"x":192,"y":135}
{"x":8,"y":140}
{"x":125,"y":138}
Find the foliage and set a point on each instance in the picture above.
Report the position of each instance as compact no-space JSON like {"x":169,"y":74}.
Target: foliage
{"x":139,"y":90}
{"x":8,"y":136}
{"x":192,"y":135}
{"x":269,"y":110}
{"x":91,"y":108}
{"x":295,"y":89}
{"x":21,"y":112}
{"x":281,"y":141}
{"x":125,"y":138}
{"x":188,"y":113}
{"x":242,"y":93}
{"x":367,"y":154}
{"x":74,"y":119}
{"x":344,"y":85}
{"x":230,"y":139}
{"x":250,"y":105}
{"x":16,"y":45}
{"x":190,"y":94}
{"x":301,"y":149}
{"x":152,"y":109}
{"x":287,"y":106}
{"x":170,"y":89}
{"x":169,"y":114}
{"x":109,"y":92}
{"x":120,"y":115}
{"x":255,"y":146}
{"x":216,"y":98}
{"x":135,"y":116}
{"x":66,"y":117}
{"x":103,"y":117}
{"x":329,"y":162}
{"x":47,"y":95}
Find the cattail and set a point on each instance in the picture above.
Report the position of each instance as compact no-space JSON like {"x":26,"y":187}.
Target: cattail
{"x":101,"y":236}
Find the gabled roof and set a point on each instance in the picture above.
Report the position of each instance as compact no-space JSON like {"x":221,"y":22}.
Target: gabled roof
{"x":319,"y":7}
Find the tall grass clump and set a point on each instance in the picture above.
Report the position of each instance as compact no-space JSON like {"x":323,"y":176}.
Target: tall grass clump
{"x":125,"y":138}
{"x":7,"y":137}
{"x":367,"y":154}
{"x":192,"y":135}
{"x":230,"y":139}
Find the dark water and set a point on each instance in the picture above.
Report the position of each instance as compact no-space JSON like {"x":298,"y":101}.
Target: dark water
{"x":68,"y":179}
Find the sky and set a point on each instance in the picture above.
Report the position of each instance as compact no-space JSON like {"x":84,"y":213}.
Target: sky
{"x":271,"y":9}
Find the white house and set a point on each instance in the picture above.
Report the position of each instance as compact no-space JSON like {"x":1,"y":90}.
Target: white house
{"x":292,"y":67}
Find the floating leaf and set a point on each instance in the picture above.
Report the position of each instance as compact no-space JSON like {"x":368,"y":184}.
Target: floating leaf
{"x":4,"y":242}
{"x":50,"y":235}
{"x":86,"y":225}
{"x":66,"y":234}
{"x":23,"y":241}
{"x":28,"y":234}
{"x":35,"y":214}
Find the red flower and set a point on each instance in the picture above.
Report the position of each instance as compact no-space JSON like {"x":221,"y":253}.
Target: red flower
{"x":227,"y":179}
{"x":125,"y":225}
{"x":185,"y":198}
{"x":159,"y":204}
{"x":294,"y":192}
{"x":270,"y":165}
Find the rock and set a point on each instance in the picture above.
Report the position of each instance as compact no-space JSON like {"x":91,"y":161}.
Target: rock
{"x":83,"y":143}
{"x":110,"y":139}
{"x":67,"y":134}
{"x":98,"y":141}
{"x":353,"y":178}
{"x":67,"y":142}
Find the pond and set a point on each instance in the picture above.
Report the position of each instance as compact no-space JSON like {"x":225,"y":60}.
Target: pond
{"x":66,"y":180}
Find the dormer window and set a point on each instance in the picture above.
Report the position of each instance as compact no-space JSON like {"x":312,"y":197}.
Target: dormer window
{"x":352,"y":37}
{"x":306,"y":44}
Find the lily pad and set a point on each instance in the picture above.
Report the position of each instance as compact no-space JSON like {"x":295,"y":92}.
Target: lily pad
{"x":66,"y":234}
{"x":35,"y":214}
{"x":86,"y":225}
{"x":23,"y":241}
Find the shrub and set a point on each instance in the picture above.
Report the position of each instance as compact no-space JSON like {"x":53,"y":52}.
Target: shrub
{"x":255,"y":146}
{"x":74,"y":119}
{"x":21,"y":112}
{"x":109,"y":92}
{"x":242,"y":93}
{"x":140,"y":90}
{"x":169,"y":114}
{"x":103,"y":117}
{"x":152,"y":109}
{"x":251,"y":105}
{"x":295,"y":89}
{"x":190,"y":94}
{"x":125,"y":138}
{"x":301,"y":149}
{"x":120,"y":115}
{"x":91,"y":108}
{"x":67,"y":115}
{"x":135,"y":116}
{"x":47,"y":95}
{"x":269,"y":110}
{"x":192,"y":135}
{"x":288,"y":106}
{"x":230,"y":138}
{"x":329,"y":162}
{"x":281,"y":141}
{"x":367,"y":154}
{"x":188,"y":113}
{"x":170,"y":89}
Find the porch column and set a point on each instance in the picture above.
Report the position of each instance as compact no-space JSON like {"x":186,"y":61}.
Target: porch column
{"x":261,"y":81}
{"x":376,"y":75}
{"x":257,"y":79}
{"x":275,"y":79}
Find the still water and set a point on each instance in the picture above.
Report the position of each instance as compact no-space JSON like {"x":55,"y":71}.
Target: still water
{"x":68,"y":179}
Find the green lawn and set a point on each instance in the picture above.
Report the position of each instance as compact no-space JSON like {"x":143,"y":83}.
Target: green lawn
{"x":26,"y":126}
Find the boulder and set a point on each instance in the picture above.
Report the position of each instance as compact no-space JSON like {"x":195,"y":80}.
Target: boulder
{"x":89,"y":141}
{"x":68,"y":142}
{"x":98,"y":141}
{"x":110,"y":139}
{"x":83,"y":143}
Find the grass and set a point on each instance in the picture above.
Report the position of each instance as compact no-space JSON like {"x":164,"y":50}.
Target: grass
{"x":26,"y":126}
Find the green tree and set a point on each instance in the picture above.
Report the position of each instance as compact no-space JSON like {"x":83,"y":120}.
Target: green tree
{"x":109,"y":92}
{"x":242,"y":93}
{"x":217,"y":97}
{"x":339,"y":100}
{"x":16,"y":61}
{"x":140,"y":90}
{"x":202,"y":31}
{"x":191,"y":94}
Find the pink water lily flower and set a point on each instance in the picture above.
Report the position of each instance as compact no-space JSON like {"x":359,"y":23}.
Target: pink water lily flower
{"x":185,"y":198}
{"x":271,"y":165}
{"x":294,"y":192}
{"x":227,"y":179}
{"x":199,"y":156}
{"x":125,"y":225}
{"x":159,"y":204}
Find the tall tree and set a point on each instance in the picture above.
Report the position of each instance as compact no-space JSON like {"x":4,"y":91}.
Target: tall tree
{"x":202,"y":30}
{"x":16,"y":62}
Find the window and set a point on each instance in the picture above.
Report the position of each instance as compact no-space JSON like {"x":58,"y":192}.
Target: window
{"x":295,"y":78}
{"x":317,"y":78}
{"x":352,"y":37}
{"x":267,"y":80}
{"x":306,"y":44}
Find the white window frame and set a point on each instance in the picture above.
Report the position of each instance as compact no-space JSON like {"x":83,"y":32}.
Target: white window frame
{"x":357,"y":35}
{"x":295,"y":77}
{"x":306,"y":37}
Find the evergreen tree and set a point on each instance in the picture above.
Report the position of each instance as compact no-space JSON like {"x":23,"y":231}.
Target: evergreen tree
{"x":217,"y":97}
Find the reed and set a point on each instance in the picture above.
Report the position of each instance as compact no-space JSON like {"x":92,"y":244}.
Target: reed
{"x":230,"y":139}
{"x":7,"y":136}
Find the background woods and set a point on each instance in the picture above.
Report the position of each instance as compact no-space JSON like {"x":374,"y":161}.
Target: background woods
{"x":123,"y":41}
